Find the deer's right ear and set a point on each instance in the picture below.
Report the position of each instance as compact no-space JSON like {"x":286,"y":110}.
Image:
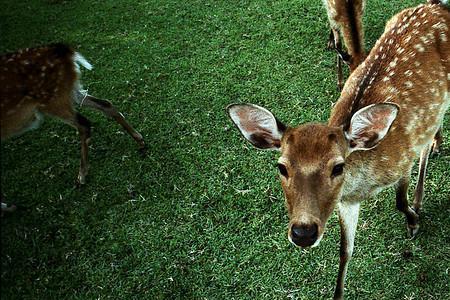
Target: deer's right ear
{"x":257,"y":125}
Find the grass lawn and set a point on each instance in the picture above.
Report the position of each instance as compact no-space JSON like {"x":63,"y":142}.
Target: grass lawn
{"x":202,"y":216}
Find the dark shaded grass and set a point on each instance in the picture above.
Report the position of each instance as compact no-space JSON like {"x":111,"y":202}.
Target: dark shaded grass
{"x":201,"y":216}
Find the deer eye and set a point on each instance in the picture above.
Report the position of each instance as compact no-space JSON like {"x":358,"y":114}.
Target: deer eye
{"x":337,"y":170}
{"x":283,"y":170}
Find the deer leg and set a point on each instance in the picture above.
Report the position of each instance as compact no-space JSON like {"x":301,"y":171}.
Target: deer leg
{"x":330,"y":42}
{"x":64,"y":111}
{"x":338,"y":48}
{"x":109,"y":110}
{"x":348,"y":220}
{"x":423,"y":162}
{"x":412,"y":217}
{"x":438,"y":139}
{"x":84,"y":129}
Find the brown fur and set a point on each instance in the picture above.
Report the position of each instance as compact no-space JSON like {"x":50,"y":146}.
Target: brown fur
{"x":417,"y":122}
{"x":415,"y":100}
{"x":39,"y":79}
{"x":409,"y":66}
{"x":391,"y":108}
{"x":345,"y":17}
{"x":44,"y":80}
{"x":310,"y":162}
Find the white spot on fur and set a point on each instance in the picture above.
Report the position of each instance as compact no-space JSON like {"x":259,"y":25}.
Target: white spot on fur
{"x":424,"y":40}
{"x":408,"y":72}
{"x":393,"y":63}
{"x":419,"y":47}
{"x":393,"y":90}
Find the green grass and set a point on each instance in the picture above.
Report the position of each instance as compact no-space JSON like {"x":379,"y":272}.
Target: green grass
{"x":176,"y":224}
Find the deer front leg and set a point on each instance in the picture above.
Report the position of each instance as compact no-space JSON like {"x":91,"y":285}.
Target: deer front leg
{"x":348,"y":219}
{"x":412,"y":217}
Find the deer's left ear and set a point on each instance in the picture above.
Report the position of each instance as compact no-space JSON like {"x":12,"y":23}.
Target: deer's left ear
{"x":370,"y":124}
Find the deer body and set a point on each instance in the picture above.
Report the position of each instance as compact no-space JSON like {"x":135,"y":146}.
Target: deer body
{"x":45,"y":81}
{"x":409,"y":66}
{"x":389,"y":112}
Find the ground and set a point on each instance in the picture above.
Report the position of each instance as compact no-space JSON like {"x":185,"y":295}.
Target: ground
{"x":202,"y":216}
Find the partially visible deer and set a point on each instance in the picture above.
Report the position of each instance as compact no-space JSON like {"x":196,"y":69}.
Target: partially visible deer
{"x":45,"y":81}
{"x":387,"y":116}
{"x":345,"y":17}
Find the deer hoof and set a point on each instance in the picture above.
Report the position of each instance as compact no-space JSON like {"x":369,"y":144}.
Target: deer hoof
{"x":8,"y":208}
{"x":412,"y":231}
{"x":81,"y":180}
{"x":143,"y":150}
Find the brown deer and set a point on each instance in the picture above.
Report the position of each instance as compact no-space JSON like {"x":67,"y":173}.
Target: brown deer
{"x":45,"y":81}
{"x":345,"y":17}
{"x":387,"y":116}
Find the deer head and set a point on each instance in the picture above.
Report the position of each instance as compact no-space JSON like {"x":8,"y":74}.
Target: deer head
{"x":313,"y":159}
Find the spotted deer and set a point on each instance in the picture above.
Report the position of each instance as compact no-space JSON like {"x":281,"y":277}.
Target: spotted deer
{"x":345,"y":17}
{"x":387,"y":116}
{"x":45,"y":81}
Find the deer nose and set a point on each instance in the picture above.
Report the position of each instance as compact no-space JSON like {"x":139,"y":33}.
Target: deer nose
{"x":304,"y":235}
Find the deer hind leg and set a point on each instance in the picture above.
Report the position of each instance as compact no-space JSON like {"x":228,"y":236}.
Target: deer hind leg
{"x":438,"y":139}
{"x":423,"y":162}
{"x":331,"y":45}
{"x":334,"y":42}
{"x":412,"y":217}
{"x":353,"y":33}
{"x":84,"y":129}
{"x":64,"y":111}
{"x":109,"y":110}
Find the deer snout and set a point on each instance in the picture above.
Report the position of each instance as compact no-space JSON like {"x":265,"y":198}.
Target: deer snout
{"x":303,"y":235}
